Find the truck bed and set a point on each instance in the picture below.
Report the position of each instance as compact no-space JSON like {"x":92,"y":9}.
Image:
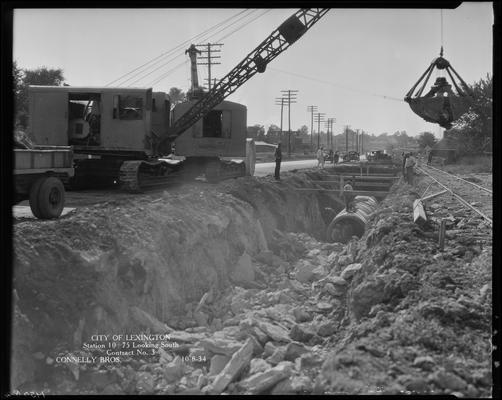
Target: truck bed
{"x":42,"y":159}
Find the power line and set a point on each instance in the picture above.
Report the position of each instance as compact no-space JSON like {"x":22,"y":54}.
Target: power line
{"x":319,"y":117}
{"x":240,"y":27}
{"x":311,"y":109}
{"x":176,"y":47}
{"x":180,"y":54}
{"x":209,"y":58}
{"x":290,"y":96}
{"x":280,"y":101}
{"x":335,"y":84}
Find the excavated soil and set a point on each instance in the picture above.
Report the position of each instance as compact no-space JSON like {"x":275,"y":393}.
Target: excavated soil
{"x":237,"y":274}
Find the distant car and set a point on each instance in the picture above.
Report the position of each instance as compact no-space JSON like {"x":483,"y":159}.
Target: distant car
{"x":351,"y":156}
{"x":378,"y":155}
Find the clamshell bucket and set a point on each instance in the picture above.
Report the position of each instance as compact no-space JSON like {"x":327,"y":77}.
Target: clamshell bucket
{"x":441,"y":105}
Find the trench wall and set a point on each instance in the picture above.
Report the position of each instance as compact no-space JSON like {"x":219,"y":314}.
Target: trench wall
{"x":83,"y":273}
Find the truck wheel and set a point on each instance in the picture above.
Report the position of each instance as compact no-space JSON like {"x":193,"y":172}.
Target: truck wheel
{"x":50,"y":198}
{"x":34,"y":189}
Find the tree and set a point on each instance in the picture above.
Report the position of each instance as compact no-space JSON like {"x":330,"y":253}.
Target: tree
{"x":23,"y":78}
{"x":177,"y":96}
{"x":426,"y":139}
{"x":472,"y":132}
{"x":256,"y":132}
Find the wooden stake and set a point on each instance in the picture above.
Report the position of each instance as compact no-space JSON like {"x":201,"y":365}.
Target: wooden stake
{"x":442,"y":231}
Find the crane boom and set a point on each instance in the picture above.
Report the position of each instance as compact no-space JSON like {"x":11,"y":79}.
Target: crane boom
{"x":256,"y":61}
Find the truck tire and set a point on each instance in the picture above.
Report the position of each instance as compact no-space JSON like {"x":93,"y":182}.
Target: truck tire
{"x":35,"y":187}
{"x":49,"y":198}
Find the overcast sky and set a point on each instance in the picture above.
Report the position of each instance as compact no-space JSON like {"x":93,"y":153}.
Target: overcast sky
{"x":345,"y":64}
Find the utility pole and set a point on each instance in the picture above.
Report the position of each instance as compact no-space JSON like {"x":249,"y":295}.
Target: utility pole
{"x":290,"y":95}
{"x":319,"y":117}
{"x":329,"y":137}
{"x":347,"y":138}
{"x":362,"y":139}
{"x":311,"y":109}
{"x":208,"y":49}
{"x":209,"y":83}
{"x":357,"y":140}
{"x":280,"y":101}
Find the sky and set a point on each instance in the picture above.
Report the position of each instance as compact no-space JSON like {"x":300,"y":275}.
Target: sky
{"x":355,"y":65}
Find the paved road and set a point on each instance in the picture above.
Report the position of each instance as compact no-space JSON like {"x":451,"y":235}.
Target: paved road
{"x":86,"y":197}
{"x":264,"y":169}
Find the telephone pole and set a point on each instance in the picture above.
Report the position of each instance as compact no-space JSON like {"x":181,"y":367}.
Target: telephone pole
{"x":319,"y":117}
{"x":208,"y":49}
{"x":329,"y":137}
{"x":209,"y":84}
{"x":311,"y":109}
{"x":290,"y":96}
{"x":347,"y":138}
{"x":280,"y":101}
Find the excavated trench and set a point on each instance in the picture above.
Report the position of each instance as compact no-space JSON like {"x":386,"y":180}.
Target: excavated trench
{"x":102,"y":270}
{"x":241,"y":270}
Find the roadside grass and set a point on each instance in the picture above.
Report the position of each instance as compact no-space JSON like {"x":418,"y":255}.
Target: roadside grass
{"x":471,"y":165}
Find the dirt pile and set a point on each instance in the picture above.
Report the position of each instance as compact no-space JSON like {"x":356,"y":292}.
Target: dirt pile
{"x":388,"y":313}
{"x":109,"y":269}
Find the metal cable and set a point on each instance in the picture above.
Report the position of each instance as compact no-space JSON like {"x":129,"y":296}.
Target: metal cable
{"x":160,"y":78}
{"x":176,"y":47}
{"x":199,"y":36}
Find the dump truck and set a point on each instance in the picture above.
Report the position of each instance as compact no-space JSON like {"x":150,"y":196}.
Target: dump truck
{"x":40,"y":174}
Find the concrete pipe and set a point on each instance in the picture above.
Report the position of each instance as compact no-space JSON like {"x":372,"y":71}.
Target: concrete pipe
{"x":348,"y":224}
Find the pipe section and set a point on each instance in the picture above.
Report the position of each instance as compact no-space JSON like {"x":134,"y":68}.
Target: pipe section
{"x":348,"y":224}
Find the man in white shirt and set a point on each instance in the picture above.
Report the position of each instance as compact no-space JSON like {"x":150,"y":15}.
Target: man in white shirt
{"x":320,"y":158}
{"x":408,"y":166}
{"x":348,"y":195}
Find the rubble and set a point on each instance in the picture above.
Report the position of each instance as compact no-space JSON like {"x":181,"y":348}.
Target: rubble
{"x":240,"y":360}
{"x":262,"y":381}
{"x":381,"y":314}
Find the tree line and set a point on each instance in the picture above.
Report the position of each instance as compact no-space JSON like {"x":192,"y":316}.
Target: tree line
{"x":470,"y":134}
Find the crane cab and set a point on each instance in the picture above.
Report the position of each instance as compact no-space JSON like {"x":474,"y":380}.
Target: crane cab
{"x":221,"y":133}
{"x":93,"y":120}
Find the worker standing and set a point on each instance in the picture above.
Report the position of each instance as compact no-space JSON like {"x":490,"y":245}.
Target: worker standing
{"x":336,"y":157}
{"x":348,"y":195}
{"x":278,"y":159}
{"x":320,"y":157}
{"x":405,"y":156}
{"x":428,"y":151}
{"x":409,"y":165}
